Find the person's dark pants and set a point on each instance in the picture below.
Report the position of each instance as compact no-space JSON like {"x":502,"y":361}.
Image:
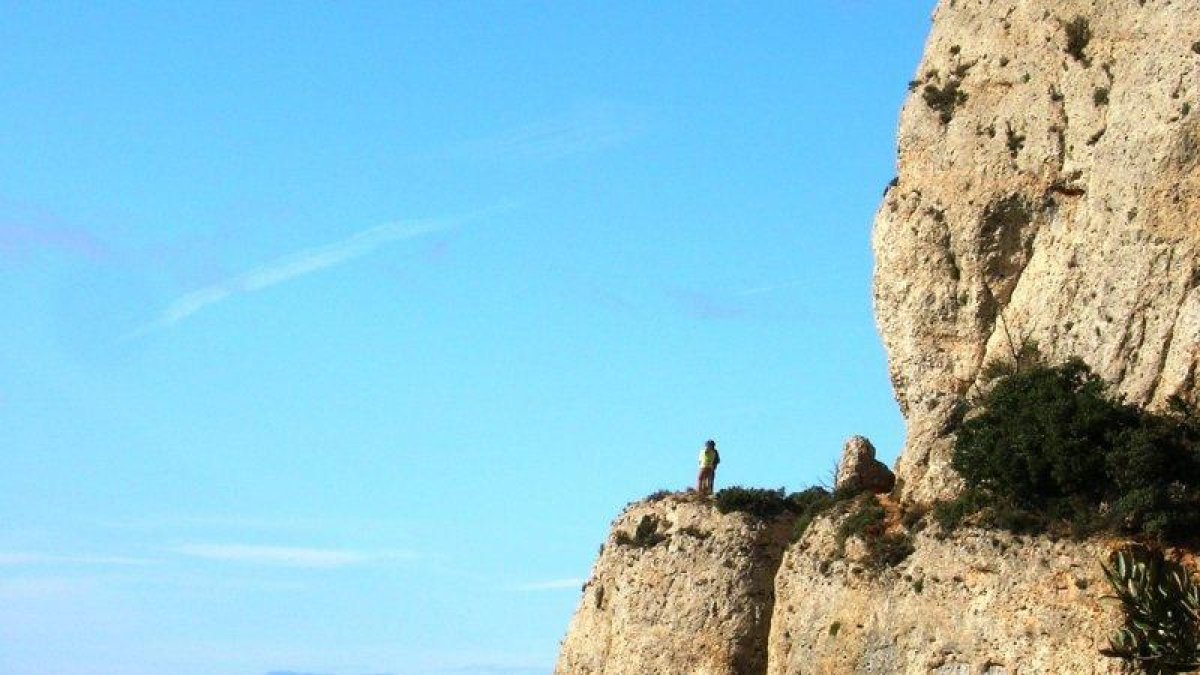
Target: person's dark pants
{"x":704,"y":482}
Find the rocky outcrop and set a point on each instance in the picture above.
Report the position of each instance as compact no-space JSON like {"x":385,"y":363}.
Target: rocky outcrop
{"x":1047,"y":189}
{"x":974,"y":602}
{"x":681,"y":589}
{"x":859,"y":471}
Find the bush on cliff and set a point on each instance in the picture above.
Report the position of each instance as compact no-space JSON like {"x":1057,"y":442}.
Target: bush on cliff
{"x":808,"y":504}
{"x":867,"y":520}
{"x":805,"y":505}
{"x":758,"y":502}
{"x":645,"y":535}
{"x":1052,"y":444}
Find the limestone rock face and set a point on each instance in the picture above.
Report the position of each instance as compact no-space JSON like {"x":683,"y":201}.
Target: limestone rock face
{"x":974,"y":602}
{"x":1048,"y":189}
{"x":858,"y":469}
{"x":692,"y":594}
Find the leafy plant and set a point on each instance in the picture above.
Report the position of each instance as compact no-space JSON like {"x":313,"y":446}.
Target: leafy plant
{"x":868,"y":521}
{"x":767,"y":504}
{"x":1161,"y":607}
{"x":889,"y":550}
{"x":1034,"y":440}
{"x":758,"y":502}
{"x":658,"y":495}
{"x":1079,"y":34}
{"x":1050,"y":444}
{"x":1013,"y":141}
{"x":808,"y":504}
{"x":645,"y":535}
{"x":944,"y":99}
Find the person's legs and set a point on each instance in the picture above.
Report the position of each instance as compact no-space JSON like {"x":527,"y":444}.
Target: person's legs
{"x":712,"y":479}
{"x":700,"y":481}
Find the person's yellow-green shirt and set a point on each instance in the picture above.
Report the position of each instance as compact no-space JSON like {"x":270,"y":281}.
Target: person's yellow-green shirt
{"x":708,"y":458}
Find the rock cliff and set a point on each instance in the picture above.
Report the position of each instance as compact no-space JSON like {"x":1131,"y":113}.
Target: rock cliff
{"x":678,"y":588}
{"x":972,"y":603}
{"x":1047,"y":189}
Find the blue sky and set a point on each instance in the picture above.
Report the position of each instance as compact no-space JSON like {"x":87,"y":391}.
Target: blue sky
{"x":337,"y":333}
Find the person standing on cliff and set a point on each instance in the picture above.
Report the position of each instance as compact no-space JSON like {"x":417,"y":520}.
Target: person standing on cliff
{"x":709,"y":459}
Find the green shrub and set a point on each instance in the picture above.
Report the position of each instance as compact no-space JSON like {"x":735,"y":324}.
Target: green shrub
{"x":758,"y":502}
{"x":1036,"y":436}
{"x":658,"y":495}
{"x":1161,"y":607}
{"x":889,"y":550}
{"x":944,"y":99}
{"x":913,"y":517}
{"x":1079,"y":34}
{"x":645,"y":535}
{"x":1013,"y":141}
{"x":1050,"y":444}
{"x":807,"y":505}
{"x":950,"y":514}
{"x":867,"y":521}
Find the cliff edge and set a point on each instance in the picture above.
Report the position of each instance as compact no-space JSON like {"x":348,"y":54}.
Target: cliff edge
{"x":678,"y":588}
{"x":1047,"y":189}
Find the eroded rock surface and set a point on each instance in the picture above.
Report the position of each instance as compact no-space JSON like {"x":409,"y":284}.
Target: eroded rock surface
{"x":1048,"y":189}
{"x":973,"y":602}
{"x":692,"y":595}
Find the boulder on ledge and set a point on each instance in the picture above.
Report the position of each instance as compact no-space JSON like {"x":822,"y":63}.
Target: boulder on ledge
{"x":859,"y":471}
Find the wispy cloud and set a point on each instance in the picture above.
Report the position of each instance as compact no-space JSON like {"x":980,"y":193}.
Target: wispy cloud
{"x":293,"y":266}
{"x":582,"y":131}
{"x":13,"y":559}
{"x":760,"y":290}
{"x":287,"y":556}
{"x":550,"y":585}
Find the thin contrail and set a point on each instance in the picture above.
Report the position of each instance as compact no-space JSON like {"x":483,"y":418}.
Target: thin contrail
{"x":300,"y":264}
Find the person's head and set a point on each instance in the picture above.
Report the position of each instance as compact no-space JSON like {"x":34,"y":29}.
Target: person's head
{"x":710,"y":443}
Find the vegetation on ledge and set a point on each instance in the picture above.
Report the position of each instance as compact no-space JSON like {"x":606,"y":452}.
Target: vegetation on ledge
{"x":1051,"y":448}
{"x":805,"y":505}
